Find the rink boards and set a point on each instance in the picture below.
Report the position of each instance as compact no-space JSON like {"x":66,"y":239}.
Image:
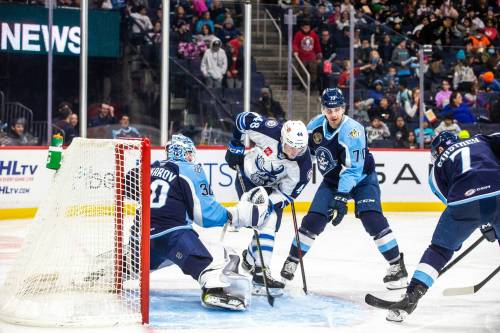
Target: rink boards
{"x":403,"y":177}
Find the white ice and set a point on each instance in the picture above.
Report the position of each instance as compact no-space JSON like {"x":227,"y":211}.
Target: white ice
{"x":342,"y":266}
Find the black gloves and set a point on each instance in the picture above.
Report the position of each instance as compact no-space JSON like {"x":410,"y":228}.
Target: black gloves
{"x":235,"y":154}
{"x":338,"y":207}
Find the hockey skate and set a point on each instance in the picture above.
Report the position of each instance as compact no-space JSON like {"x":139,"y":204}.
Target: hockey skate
{"x":288,"y":270}
{"x":217,"y":298}
{"x":397,"y":276}
{"x":399,"y":311}
{"x":275,"y":286}
{"x":245,"y":264}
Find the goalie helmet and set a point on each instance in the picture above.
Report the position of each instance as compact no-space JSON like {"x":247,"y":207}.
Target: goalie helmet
{"x":294,"y":134}
{"x":179,"y":148}
{"x":443,"y":140}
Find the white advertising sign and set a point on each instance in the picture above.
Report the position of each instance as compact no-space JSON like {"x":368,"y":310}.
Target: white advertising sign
{"x":403,"y":176}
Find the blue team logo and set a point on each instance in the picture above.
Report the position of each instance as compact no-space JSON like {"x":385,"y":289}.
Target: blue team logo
{"x":265,"y":176}
{"x":325,"y":160}
{"x":271,"y":123}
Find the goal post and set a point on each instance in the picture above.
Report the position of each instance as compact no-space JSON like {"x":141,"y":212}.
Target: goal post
{"x":85,"y":260}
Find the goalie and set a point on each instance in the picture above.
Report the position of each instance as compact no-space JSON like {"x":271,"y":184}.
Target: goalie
{"x":181,"y":196}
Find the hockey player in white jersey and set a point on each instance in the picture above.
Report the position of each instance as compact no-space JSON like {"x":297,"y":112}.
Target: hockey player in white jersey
{"x":281,"y":162}
{"x":181,"y":196}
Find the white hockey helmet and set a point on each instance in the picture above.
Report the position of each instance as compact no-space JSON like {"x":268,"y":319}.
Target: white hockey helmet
{"x":294,"y":134}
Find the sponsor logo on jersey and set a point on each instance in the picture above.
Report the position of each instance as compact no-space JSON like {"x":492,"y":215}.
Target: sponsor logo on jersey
{"x":354,"y":133}
{"x":473,"y":191}
{"x":317,"y":137}
{"x":271,"y":123}
{"x":325,"y":160}
{"x":268,"y":151}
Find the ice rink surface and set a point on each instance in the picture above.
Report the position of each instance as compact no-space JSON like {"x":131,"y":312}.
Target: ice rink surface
{"x":342,"y":266}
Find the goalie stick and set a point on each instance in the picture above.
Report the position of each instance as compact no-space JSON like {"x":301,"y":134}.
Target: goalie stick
{"x":385,"y":304}
{"x":471,"y":289}
{"x":270,"y":298}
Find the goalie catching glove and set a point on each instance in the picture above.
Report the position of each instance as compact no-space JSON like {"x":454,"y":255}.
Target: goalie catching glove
{"x":252,"y":210}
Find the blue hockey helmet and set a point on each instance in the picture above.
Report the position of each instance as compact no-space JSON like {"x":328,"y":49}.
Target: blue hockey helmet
{"x":332,"y":98}
{"x":179,"y":148}
{"x":443,"y":140}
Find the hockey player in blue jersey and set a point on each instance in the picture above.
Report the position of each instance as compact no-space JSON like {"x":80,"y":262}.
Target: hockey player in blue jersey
{"x":280,"y":161}
{"x":348,"y":168}
{"x":465,"y":177}
{"x":181,"y":195}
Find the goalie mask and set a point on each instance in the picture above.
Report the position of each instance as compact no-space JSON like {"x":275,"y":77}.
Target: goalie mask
{"x":181,"y":148}
{"x":294,"y":138}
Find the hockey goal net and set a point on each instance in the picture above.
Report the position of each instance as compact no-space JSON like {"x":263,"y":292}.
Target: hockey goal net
{"x":85,"y":261}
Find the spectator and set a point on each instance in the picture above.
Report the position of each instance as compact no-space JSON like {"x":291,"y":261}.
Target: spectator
{"x":479,"y":40}
{"x":443,"y":96}
{"x":378,"y":130}
{"x":73,"y":121}
{"x":401,"y":58}
{"x":361,"y":109}
{"x":105,"y":116}
{"x":463,"y":75}
{"x":386,"y":48}
{"x":206,"y":35}
{"x":411,"y":106}
{"x":490,"y":83}
{"x":234,"y":75}
{"x":400,"y":132}
{"x":306,"y":46}
{"x":228,"y":31}
{"x":411,"y":141}
{"x":200,"y":7}
{"x":327,"y":47}
{"x":205,"y":19}
{"x":435,"y":73}
{"x":391,"y":81}
{"x":458,"y":109}
{"x":376,"y":69}
{"x":428,"y":132}
{"x":343,"y":81}
{"x":383,"y":111}
{"x":448,"y":125}
{"x":491,"y":30}
{"x":141,"y":25}
{"x":378,"y":92}
{"x":18,"y":136}
{"x":218,"y":12}
{"x":214,"y":64}
{"x":125,"y":130}
{"x":269,"y":107}
{"x":63,"y":126}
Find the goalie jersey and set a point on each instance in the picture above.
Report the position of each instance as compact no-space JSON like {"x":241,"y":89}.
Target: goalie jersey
{"x":342,"y":154}
{"x":181,"y":195}
{"x":467,"y":171}
{"x":266,"y":164}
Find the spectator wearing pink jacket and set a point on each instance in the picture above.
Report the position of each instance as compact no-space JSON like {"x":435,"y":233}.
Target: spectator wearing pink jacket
{"x":200,"y":7}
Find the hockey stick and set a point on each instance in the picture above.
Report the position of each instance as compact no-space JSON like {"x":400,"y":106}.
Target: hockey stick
{"x":385,"y":304}
{"x":270,"y":298}
{"x":297,"y":239}
{"x":471,"y":289}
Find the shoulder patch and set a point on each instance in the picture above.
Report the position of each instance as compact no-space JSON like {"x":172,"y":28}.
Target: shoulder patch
{"x":197,"y":168}
{"x":354,"y":133}
{"x":268,"y":151}
{"x":317,"y":137}
{"x":271,"y":123}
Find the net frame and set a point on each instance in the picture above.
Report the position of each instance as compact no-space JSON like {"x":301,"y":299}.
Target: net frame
{"x":42,"y":283}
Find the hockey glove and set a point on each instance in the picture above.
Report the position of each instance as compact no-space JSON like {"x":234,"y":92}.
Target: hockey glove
{"x":235,"y":154}
{"x":338,"y":207}
{"x":488,"y":232}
